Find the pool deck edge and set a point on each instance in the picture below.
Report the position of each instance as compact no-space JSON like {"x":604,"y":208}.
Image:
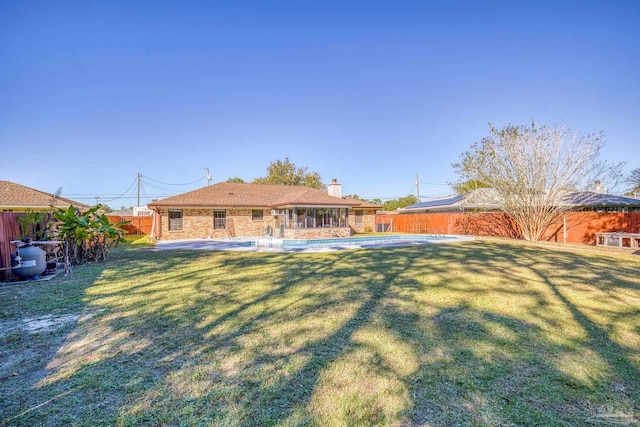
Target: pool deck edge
{"x":276,"y":245}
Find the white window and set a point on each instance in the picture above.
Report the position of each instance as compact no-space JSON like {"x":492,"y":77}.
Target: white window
{"x":219,"y":219}
{"x":175,"y":219}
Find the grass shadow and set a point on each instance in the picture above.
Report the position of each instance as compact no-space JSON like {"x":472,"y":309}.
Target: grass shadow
{"x":477,"y":333}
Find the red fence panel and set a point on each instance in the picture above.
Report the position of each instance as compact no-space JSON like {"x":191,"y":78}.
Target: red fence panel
{"x":421,"y":223}
{"x":138,"y":224}
{"x":9,"y":230}
{"x":583,"y":226}
{"x":574,"y":227}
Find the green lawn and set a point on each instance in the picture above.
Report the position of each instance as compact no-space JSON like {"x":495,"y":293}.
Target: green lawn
{"x":474,"y":333}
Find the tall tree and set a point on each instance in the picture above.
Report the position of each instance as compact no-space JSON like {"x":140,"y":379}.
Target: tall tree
{"x":286,"y":173}
{"x":235,"y":179}
{"x":466,"y":187}
{"x":373,"y":201}
{"x":532,"y":170}
{"x":402,"y":202}
{"x":634,"y":180}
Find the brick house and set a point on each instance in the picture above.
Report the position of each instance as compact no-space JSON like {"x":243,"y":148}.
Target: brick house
{"x":253,"y":210}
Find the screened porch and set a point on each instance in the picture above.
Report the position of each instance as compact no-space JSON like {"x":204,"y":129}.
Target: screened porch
{"x":300,"y":218}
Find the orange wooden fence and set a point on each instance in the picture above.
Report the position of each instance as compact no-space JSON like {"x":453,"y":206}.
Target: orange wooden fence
{"x":9,"y":230}
{"x":575,"y":227}
{"x":138,"y":224}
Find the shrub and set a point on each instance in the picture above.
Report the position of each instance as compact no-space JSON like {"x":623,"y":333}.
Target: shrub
{"x":89,"y":234}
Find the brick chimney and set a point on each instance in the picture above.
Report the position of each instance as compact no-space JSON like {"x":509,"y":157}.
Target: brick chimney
{"x":334,"y":189}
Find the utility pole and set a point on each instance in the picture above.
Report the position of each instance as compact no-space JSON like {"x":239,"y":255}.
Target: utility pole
{"x":97,"y":200}
{"x":139,"y":176}
{"x":418,"y":186}
{"x":208,"y":176}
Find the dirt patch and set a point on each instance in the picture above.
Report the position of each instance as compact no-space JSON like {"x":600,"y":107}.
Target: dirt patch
{"x":48,"y":323}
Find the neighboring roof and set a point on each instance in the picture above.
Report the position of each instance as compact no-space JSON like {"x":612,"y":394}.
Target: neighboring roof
{"x":121,"y":212}
{"x":588,"y":198}
{"x":488,"y":197}
{"x":438,"y":202}
{"x":232,"y":194}
{"x":14,"y":195}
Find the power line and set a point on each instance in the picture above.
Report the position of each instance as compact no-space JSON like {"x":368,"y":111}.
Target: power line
{"x":133,"y":196}
{"x":127,"y":191}
{"x":167,"y":183}
{"x":144,"y":192}
{"x":410,"y":193}
{"x":127,"y":194}
{"x":431,"y":183}
{"x":157,"y":189}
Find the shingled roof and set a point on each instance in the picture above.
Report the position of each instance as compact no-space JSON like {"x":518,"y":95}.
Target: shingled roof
{"x":489,"y":199}
{"x":14,"y":195}
{"x":589,"y":198}
{"x":232,"y":194}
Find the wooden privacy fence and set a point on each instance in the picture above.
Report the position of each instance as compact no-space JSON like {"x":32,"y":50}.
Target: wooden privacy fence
{"x":9,"y":230}
{"x":138,"y":224}
{"x":444,"y":223}
{"x":572,"y":227}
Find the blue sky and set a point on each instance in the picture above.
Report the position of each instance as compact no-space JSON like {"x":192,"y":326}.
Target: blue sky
{"x":370,"y":93}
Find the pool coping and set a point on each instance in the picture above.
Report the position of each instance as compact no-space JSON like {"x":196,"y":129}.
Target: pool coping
{"x":275,"y":245}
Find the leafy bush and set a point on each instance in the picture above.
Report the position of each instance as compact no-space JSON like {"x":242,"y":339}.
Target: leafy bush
{"x":33,"y":225}
{"x":89,"y":234}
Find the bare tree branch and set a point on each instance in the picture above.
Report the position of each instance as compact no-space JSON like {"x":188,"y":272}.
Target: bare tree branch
{"x":532,"y":169}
